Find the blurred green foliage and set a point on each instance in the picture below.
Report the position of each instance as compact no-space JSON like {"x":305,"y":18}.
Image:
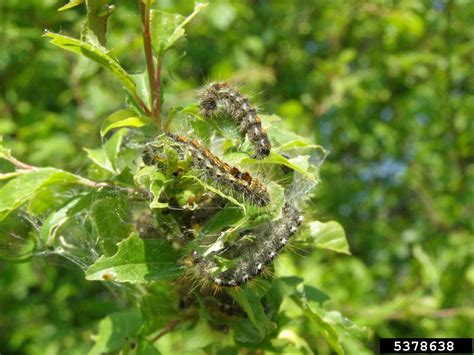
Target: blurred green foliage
{"x":386,"y":86}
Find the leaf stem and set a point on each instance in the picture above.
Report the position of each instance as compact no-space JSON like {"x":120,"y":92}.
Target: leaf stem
{"x":152,"y":77}
{"x":168,"y":328}
{"x":23,"y":168}
{"x":157,"y":98}
{"x":142,"y":104}
{"x":19,"y":164}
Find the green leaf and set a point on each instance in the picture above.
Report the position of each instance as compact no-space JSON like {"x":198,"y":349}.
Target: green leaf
{"x":146,"y":348}
{"x":229,"y":216}
{"x":345,"y":327}
{"x":112,"y":147}
{"x":98,"y":12}
{"x":54,"y":221}
{"x":297,"y":344}
{"x":4,"y":152}
{"x":329,"y":235}
{"x":110,"y":213}
{"x":155,"y":182}
{"x":123,"y":118}
{"x":167,"y":28}
{"x":19,"y":190}
{"x":216,"y":191}
{"x":249,"y":300}
{"x":137,"y":261}
{"x":70,"y":5}
{"x":299,"y":165}
{"x":142,"y":83}
{"x":163,"y":25}
{"x":316,"y":316}
{"x":99,"y":157}
{"x":313,"y":295}
{"x":332,"y":325}
{"x":97,"y":55}
{"x":160,"y":300}
{"x":115,"y":331}
{"x":281,"y":287}
{"x":156,"y":189}
{"x":106,"y":156}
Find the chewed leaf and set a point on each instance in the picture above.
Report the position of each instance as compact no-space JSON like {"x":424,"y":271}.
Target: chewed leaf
{"x":154,"y":181}
{"x":97,"y":55}
{"x":328,"y":235}
{"x":123,"y":118}
{"x":137,"y":261}
{"x":156,"y":189}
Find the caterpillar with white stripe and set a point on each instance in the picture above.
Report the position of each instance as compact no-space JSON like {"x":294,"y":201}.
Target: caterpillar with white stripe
{"x":251,"y":265}
{"x":221,"y":97}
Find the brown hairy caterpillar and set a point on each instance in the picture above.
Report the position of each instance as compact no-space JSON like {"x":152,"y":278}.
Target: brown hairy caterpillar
{"x":217,"y":171}
{"x":221,"y":97}
{"x":253,"y":264}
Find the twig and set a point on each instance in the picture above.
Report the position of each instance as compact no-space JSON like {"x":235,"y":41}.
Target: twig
{"x":19,"y":164}
{"x":157,"y":98}
{"x":138,"y":193}
{"x":142,"y":105}
{"x":168,"y":328}
{"x":152,"y":78}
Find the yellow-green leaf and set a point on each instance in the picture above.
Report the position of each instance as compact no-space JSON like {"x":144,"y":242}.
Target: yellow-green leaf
{"x":328,"y":235}
{"x":137,"y":261}
{"x":70,"y":5}
{"x":123,"y":118}
{"x":97,"y":55}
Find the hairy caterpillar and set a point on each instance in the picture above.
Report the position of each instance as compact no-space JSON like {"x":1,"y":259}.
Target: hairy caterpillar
{"x":253,"y":264}
{"x":222,"y":97}
{"x":218,"y":171}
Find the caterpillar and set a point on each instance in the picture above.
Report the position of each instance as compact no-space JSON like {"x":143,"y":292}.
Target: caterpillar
{"x":219,"y":97}
{"x":253,"y":264}
{"x":217,"y":171}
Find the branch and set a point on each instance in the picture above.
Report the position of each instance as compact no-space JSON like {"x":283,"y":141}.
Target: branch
{"x":152,"y":78}
{"x":137,"y":193}
{"x":142,"y":105}
{"x":19,"y":164}
{"x":168,"y":328}
{"x":157,"y":99}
